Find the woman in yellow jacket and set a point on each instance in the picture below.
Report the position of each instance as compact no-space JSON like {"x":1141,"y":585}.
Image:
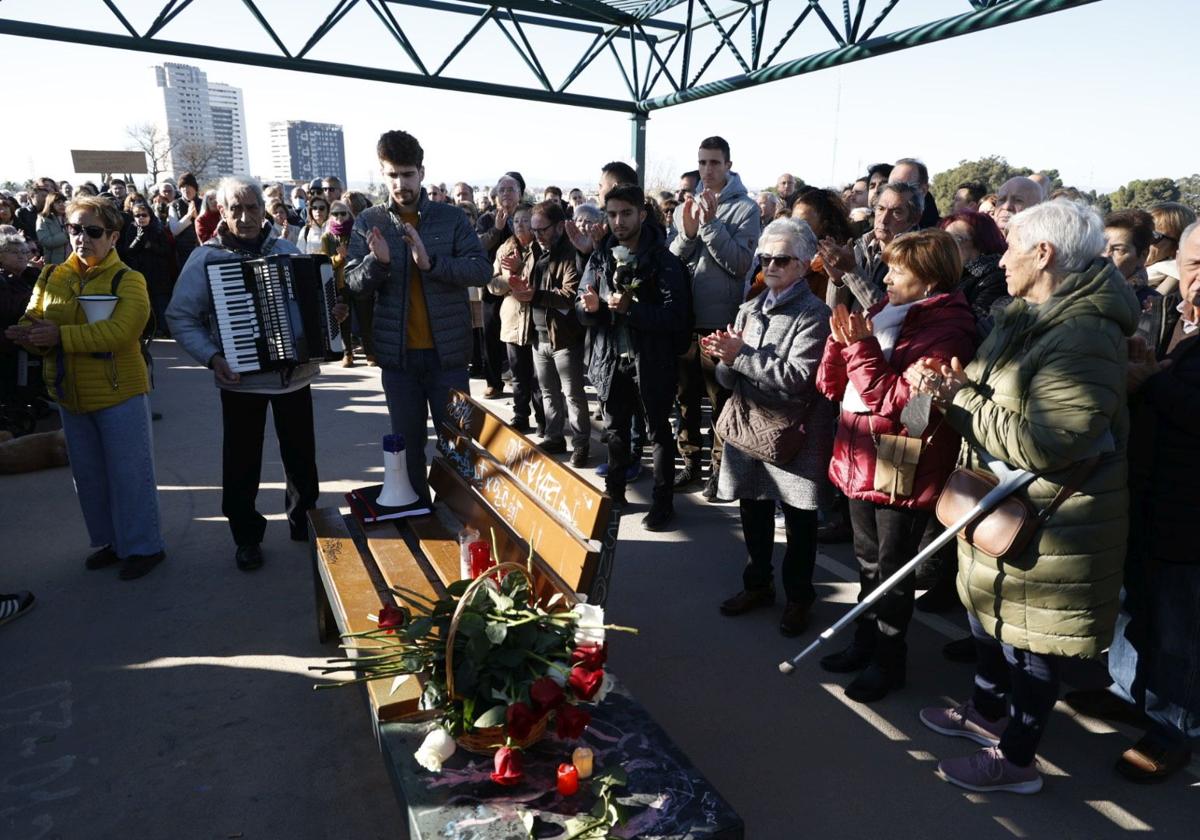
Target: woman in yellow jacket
{"x":97,"y":374}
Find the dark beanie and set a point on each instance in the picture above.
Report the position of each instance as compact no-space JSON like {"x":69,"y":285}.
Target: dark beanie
{"x":516,"y":176}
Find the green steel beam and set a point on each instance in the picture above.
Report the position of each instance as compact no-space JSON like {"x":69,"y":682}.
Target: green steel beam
{"x":553,"y":23}
{"x":580,"y":10}
{"x":975,"y":21}
{"x":62,"y":34}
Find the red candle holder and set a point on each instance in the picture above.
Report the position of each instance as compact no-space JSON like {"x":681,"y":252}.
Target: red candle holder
{"x":568,"y":780}
{"x":481,"y":557}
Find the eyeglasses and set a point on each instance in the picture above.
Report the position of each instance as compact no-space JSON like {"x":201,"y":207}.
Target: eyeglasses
{"x":139,"y":216}
{"x":540,"y":229}
{"x":319,"y":208}
{"x":781,"y":260}
{"x":93,"y":231}
{"x":339,"y":214}
{"x":1159,"y":236}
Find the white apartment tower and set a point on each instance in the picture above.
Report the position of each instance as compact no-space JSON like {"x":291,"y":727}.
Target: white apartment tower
{"x":198,"y":113}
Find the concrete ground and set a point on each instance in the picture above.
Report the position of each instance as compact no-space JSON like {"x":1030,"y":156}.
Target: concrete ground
{"x":180,"y":705}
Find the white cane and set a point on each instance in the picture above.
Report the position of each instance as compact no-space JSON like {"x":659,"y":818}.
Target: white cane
{"x":1010,"y":481}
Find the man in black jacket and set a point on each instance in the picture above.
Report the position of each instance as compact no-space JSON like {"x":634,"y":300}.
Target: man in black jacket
{"x":1154,"y":660}
{"x":635,"y":303}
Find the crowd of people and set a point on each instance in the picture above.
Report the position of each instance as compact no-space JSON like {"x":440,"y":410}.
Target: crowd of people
{"x":855,"y":346}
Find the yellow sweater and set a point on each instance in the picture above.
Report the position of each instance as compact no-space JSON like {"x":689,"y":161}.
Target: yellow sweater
{"x":92,"y":380}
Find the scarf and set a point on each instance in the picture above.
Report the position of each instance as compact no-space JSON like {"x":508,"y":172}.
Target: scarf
{"x":341,"y":227}
{"x":886,"y":328}
{"x":228,"y":240}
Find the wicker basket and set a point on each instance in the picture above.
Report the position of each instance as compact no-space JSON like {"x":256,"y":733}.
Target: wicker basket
{"x":487,"y":740}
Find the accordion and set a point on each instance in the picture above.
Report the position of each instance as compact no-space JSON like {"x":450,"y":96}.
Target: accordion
{"x":274,"y":313}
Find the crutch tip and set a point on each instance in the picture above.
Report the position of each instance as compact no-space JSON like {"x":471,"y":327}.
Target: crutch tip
{"x":786,"y":667}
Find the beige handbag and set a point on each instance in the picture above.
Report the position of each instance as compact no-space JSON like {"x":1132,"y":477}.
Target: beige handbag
{"x":896,"y":458}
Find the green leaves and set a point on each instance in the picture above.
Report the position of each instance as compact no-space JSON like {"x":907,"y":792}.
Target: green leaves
{"x":496,"y":632}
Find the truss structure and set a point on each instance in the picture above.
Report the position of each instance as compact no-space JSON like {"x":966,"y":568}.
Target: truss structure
{"x":666,"y":52}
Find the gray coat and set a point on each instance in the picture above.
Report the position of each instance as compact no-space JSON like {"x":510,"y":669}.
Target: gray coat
{"x":780,"y":359}
{"x":863,"y":287}
{"x":457,"y":261}
{"x":721,"y":255}
{"x":190,"y":317}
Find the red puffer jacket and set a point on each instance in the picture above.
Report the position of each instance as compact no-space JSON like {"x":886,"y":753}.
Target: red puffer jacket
{"x":941,"y":327}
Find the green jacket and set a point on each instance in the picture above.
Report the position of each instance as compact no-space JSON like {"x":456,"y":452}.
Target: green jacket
{"x":1048,"y":391}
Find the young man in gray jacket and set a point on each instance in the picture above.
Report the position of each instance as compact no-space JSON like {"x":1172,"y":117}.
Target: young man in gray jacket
{"x":245,"y":232}
{"x":718,"y":228}
{"x":417,"y":257}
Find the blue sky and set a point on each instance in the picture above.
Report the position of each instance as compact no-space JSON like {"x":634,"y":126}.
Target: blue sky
{"x":1097,"y":92}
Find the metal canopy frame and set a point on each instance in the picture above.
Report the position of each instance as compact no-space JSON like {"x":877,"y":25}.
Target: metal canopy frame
{"x":655,"y":44}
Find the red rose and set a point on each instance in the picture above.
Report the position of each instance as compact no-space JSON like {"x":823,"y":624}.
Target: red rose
{"x":390,"y":616}
{"x":585,"y":683}
{"x":591,"y":656}
{"x":570,"y":721}
{"x":546,"y":694}
{"x":508,"y":767}
{"x":520,"y":719}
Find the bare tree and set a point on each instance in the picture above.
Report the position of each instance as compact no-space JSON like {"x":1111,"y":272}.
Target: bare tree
{"x":197,"y":156}
{"x":155,"y":143}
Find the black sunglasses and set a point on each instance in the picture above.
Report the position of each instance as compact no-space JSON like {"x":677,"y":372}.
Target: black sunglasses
{"x":93,"y":231}
{"x":1159,"y":236}
{"x":782,"y":260}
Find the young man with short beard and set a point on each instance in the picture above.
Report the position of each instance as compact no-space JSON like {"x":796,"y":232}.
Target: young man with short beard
{"x":417,"y":257}
{"x":635,"y":302}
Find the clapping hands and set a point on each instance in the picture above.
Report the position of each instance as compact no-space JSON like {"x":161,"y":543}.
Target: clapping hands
{"x":848,"y":328}
{"x":723,"y":344}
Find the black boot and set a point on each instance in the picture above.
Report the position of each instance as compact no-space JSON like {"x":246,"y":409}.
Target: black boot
{"x":858,"y":655}
{"x":689,"y":473}
{"x":885,"y":672}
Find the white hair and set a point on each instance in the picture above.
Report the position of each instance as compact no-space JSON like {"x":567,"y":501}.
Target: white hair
{"x":230,"y":186}
{"x":589,"y":213}
{"x":1074,"y":229}
{"x":1188,"y":231}
{"x":166,"y":182}
{"x":801,"y":239}
{"x":909,"y":192}
{"x":11,"y":238}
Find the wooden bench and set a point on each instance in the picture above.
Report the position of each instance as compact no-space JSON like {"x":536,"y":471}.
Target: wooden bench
{"x":496,"y":480}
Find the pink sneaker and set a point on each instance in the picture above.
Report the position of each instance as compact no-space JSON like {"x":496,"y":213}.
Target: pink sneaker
{"x":988,"y":770}
{"x":964,"y":721}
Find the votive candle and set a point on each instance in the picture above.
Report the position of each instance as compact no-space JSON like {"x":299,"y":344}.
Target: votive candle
{"x":582,"y":759}
{"x":568,"y":780}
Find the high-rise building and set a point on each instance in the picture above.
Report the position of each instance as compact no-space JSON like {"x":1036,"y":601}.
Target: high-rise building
{"x":204,"y":121}
{"x":301,"y":151}
{"x":229,"y":128}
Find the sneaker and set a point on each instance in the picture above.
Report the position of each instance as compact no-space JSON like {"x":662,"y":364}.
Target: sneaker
{"x":988,"y":770}
{"x":602,"y":469}
{"x":14,"y":605}
{"x":137,"y":565}
{"x":689,"y":473}
{"x":964,"y":721}
{"x":102,"y":559}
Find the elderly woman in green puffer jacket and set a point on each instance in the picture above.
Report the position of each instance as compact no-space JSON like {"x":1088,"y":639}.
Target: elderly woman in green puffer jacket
{"x":1045,"y":393}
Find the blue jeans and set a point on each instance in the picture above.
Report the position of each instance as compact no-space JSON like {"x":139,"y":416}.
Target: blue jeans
{"x":1018,"y":683}
{"x":421,"y":383}
{"x":112,"y":460}
{"x":1154,"y":660}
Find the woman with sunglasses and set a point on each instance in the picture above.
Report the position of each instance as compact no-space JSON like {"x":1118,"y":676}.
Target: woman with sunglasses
{"x":96,"y":371}
{"x":1170,"y":220}
{"x":770,"y":358}
{"x":922,"y":317}
{"x":336,"y":244}
{"x":309,"y":241}
{"x":152,"y":252}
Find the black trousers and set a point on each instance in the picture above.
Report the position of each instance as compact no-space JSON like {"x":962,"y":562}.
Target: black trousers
{"x":758,"y":528}
{"x":244,"y":419}
{"x":885,"y":538}
{"x":493,"y":347}
{"x":524,"y":383}
{"x":362,"y":308}
{"x":697,"y":378}
{"x":624,"y":399}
